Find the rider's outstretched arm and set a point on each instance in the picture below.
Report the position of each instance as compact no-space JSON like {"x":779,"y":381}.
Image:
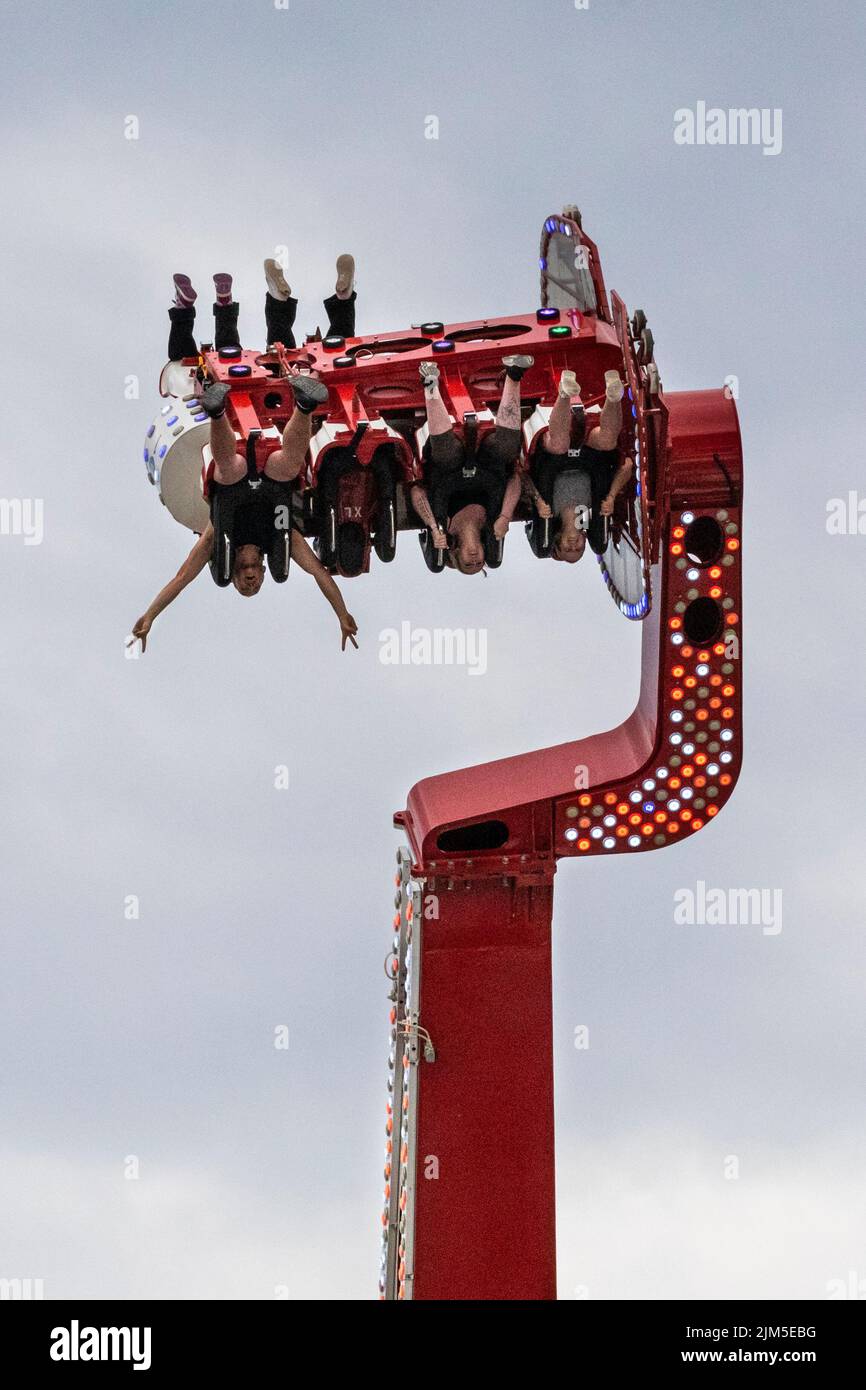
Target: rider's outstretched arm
{"x":620,"y":478}
{"x":189,"y":570}
{"x":512,"y":495}
{"x":509,"y":502}
{"x":421,"y":503}
{"x":535,"y":496}
{"x":305,"y":559}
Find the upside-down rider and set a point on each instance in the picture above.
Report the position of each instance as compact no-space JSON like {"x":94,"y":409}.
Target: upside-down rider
{"x":260,"y":515}
{"x":467,"y":501}
{"x":575,"y":489}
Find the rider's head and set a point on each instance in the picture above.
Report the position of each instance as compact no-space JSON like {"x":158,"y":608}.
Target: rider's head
{"x":571,"y":541}
{"x":249,"y":570}
{"x":570,"y":546}
{"x":467,"y":552}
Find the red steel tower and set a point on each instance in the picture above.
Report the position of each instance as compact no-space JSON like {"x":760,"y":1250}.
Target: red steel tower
{"x":469,"y":1195}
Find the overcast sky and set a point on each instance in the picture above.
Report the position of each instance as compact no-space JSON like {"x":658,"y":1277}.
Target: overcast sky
{"x":153,"y":1039}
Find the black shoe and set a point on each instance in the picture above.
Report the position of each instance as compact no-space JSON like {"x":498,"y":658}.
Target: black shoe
{"x":308,"y":391}
{"x":213,"y":401}
{"x":516,"y":366}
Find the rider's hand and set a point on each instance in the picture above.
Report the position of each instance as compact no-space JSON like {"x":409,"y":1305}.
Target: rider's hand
{"x":440,"y":540}
{"x":544,"y":511}
{"x":348,"y":628}
{"x":141,"y":629}
{"x":607,"y":506}
{"x":500,"y":527}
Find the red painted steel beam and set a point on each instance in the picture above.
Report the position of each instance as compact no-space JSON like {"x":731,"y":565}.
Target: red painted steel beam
{"x":532,"y":792}
{"x":484,"y":1221}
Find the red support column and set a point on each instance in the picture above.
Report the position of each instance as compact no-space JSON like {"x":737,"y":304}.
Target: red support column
{"x":484,"y":1151}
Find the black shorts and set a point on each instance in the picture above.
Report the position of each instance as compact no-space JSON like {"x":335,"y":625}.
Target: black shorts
{"x":499,"y":449}
{"x":255,"y":509}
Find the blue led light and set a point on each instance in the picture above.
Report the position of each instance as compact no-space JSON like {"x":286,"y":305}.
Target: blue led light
{"x":150,"y":432}
{"x":202,"y":416}
{"x":542,"y":262}
{"x":146,"y":456}
{"x":163,"y":451}
{"x":649,"y":807}
{"x":172,"y":420}
{"x":443,"y":345}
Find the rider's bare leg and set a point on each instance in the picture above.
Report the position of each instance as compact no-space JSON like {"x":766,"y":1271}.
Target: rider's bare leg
{"x":229,"y":465}
{"x":559,"y":428}
{"x":437,"y":414}
{"x":607,"y":431}
{"x":508,"y":414}
{"x":285,"y":463}
{"x":558,"y":436}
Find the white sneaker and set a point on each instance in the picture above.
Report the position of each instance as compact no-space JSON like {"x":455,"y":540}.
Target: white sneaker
{"x":614,"y":389}
{"x":569,"y":385}
{"x":278,"y":285}
{"x":345,"y":276}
